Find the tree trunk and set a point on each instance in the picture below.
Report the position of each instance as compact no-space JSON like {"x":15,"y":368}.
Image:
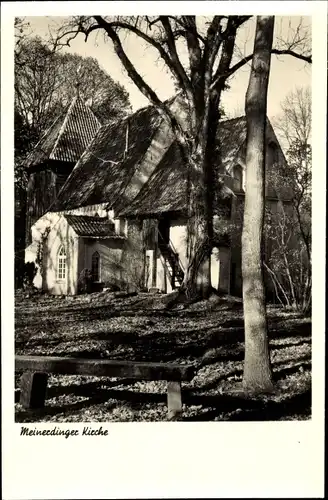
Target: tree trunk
{"x":20,"y":222}
{"x":201,"y":187}
{"x":197,"y":279}
{"x":257,"y":369}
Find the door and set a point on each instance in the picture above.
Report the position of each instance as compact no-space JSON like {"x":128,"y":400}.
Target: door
{"x":164,"y":231}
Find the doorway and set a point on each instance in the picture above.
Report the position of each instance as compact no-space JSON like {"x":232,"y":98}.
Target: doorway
{"x":164,"y":231}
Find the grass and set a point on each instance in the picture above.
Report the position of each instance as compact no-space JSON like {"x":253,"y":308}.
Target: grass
{"x":207,"y":334}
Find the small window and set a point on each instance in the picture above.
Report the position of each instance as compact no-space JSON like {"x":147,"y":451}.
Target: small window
{"x":238,"y":178}
{"x":95,"y":266}
{"x":61,"y":269}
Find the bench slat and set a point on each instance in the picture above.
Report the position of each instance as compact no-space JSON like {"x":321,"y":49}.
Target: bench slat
{"x":105,"y":368}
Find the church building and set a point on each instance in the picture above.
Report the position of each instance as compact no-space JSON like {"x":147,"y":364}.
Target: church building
{"x":111,"y":201}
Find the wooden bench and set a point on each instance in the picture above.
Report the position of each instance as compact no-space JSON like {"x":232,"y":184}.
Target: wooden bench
{"x":36,"y":369}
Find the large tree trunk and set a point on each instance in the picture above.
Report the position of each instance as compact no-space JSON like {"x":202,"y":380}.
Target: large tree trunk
{"x":257,"y":369}
{"x":201,"y":187}
{"x":197,"y":280}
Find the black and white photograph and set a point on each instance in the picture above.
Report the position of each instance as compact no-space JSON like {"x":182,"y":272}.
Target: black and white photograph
{"x":163,"y":194}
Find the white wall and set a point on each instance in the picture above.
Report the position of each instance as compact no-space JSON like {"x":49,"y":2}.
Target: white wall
{"x":149,"y":278}
{"x":178,"y":233}
{"x":220,"y":269}
{"x":220,"y":260}
{"x":37,"y":230}
{"x":215,"y":268}
{"x":110,"y":252}
{"x":162,"y":280}
{"x":61,"y":235}
{"x":79,"y":253}
{"x":178,"y":236}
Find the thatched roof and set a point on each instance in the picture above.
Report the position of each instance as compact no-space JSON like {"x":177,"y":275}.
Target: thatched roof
{"x":67,"y":137}
{"x":232,"y":141}
{"x":104,"y":170}
{"x":166,"y":189}
{"x":92,"y":227}
{"x":107,"y":168}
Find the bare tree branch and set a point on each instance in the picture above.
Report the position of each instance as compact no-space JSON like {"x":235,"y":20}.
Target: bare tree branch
{"x":248,"y":58}
{"x":146,"y":90}
{"x":292,"y":53}
{"x":179,"y":70}
{"x":194,"y":52}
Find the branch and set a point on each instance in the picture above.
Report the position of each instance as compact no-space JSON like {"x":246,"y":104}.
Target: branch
{"x":213,"y":27}
{"x":132,"y":72}
{"x":213,"y":42}
{"x":172,"y":62}
{"x":195,"y":62}
{"x":179,"y":70}
{"x":57,"y":40}
{"x":248,"y":58}
{"x":144,"y":88}
{"x":213,"y":36}
{"x":229,"y":37}
{"x":185,"y":26}
{"x":227,"y":50}
{"x":292,"y":53}
{"x":194,"y":51}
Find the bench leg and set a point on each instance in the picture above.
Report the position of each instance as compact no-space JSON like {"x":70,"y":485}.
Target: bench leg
{"x":33,"y":389}
{"x":174,"y":402}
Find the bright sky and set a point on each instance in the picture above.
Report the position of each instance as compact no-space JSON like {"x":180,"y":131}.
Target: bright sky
{"x":286,"y":72}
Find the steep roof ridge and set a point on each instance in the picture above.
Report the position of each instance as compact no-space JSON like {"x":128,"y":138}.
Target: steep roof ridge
{"x":168,"y":172}
{"x":97,"y":155}
{"x":68,"y":135}
{"x":137,"y":171}
{"x":101,"y":129}
{"x":176,"y":101}
{"x":78,"y":106}
{"x":88,"y":129}
{"x":62,"y":128}
{"x":121,"y":122}
{"x":43,"y":136}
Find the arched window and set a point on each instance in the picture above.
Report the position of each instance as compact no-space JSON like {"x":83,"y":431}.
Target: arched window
{"x":238,"y":178}
{"x":61,"y":264}
{"x":95,"y":267}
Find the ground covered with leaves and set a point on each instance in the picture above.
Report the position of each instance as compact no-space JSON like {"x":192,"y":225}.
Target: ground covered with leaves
{"x":145,"y":327}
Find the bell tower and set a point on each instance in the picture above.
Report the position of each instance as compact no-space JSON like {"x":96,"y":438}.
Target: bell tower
{"x":54,"y":156}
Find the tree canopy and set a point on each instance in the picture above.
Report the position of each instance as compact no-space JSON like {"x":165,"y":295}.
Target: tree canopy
{"x":46,"y":81}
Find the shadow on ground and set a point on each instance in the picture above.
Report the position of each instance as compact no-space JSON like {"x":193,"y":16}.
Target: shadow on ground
{"x":212,"y":340}
{"x":213,"y":407}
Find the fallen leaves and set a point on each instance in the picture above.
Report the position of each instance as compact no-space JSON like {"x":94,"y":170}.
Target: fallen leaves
{"x":208,"y":334}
